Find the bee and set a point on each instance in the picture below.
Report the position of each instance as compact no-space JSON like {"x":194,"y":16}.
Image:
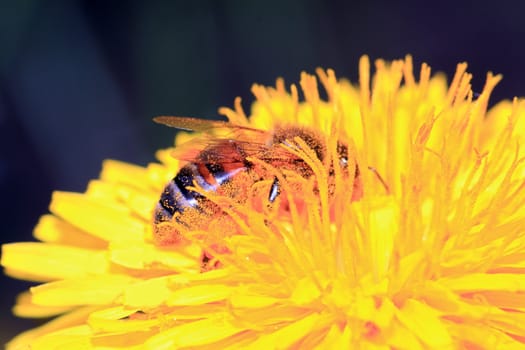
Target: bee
{"x":225,"y":165}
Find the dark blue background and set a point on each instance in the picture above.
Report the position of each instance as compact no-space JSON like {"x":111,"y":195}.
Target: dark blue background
{"x":81,"y":80}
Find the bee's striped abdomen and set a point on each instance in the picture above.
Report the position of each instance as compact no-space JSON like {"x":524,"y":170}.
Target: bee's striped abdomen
{"x":176,"y":196}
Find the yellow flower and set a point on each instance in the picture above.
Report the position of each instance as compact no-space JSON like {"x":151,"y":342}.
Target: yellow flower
{"x":432,"y":255}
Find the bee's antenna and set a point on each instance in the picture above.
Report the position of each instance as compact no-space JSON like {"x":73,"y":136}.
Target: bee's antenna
{"x":385,"y":185}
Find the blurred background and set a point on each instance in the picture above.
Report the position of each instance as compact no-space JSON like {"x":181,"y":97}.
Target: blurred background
{"x":81,"y":80}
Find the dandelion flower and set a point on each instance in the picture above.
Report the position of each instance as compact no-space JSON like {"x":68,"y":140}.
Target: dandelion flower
{"x":430,"y":255}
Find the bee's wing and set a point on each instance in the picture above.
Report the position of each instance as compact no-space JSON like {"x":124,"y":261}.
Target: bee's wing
{"x":249,"y":140}
{"x":235,"y":145}
{"x":206,"y":148}
{"x":202,"y":125}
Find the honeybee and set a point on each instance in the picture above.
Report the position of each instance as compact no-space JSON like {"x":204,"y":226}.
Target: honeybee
{"x":225,"y":165}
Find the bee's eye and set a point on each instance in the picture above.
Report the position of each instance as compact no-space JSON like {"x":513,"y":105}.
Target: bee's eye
{"x":343,"y":162}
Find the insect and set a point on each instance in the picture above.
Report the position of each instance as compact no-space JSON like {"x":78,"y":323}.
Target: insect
{"x":224,"y":165}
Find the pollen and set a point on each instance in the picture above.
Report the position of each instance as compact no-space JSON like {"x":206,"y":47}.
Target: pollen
{"x":413,"y":237}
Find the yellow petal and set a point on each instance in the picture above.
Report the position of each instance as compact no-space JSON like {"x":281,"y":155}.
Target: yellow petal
{"x":335,"y":338}
{"x":383,"y":227}
{"x":47,"y":262}
{"x":25,"y":308}
{"x":243,"y":300}
{"x":287,"y":336}
{"x":195,"y":333}
{"x":503,"y":299}
{"x":27,"y":339}
{"x":51,"y":229}
{"x":139,"y":201}
{"x":119,"y":320}
{"x":472,"y":336}
{"x":425,"y":323}
{"x":110,"y":223}
{"x":148,"y":256}
{"x":198,"y":295}
{"x":96,"y":290}
{"x":78,"y":337}
{"x":147,"y":294}
{"x":115,"y":171}
{"x":305,"y":292}
{"x":128,"y":340}
{"x":485,"y":282}
{"x":400,"y":337}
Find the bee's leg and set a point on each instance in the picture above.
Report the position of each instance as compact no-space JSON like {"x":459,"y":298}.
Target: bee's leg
{"x":208,"y":262}
{"x":275,"y":190}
